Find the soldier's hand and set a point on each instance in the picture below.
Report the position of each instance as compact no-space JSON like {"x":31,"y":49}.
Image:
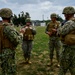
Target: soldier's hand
{"x":21,"y":34}
{"x":54,"y":30}
{"x":26,"y":27}
{"x":22,"y":30}
{"x":30,"y":27}
{"x":49,"y":33}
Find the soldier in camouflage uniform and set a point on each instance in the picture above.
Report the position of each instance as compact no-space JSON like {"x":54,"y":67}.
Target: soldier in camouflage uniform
{"x":9,"y":39}
{"x":54,"y":42}
{"x":28,"y":37}
{"x":67,"y":35}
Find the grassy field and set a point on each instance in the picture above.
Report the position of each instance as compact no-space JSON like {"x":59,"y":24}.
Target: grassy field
{"x":39,"y":57}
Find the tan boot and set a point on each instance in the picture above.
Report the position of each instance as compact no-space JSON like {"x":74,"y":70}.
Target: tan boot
{"x":58,"y":65}
{"x":28,"y":61}
{"x":50,"y":64}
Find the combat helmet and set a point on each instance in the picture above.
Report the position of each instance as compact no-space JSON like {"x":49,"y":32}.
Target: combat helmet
{"x":53,"y":15}
{"x":28,"y":20}
{"x":6,"y":12}
{"x":68,"y":10}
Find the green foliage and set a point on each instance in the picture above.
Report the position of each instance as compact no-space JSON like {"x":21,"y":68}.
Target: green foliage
{"x":59,"y":18}
{"x":15,"y":20}
{"x":47,"y":21}
{"x":20,"y":19}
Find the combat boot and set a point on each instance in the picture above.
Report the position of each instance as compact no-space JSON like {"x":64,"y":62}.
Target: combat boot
{"x":28,"y":61}
{"x":51,"y":63}
{"x":58,"y":65}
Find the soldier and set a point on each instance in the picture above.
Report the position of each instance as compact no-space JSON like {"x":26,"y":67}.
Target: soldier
{"x":28,"y":37}
{"x":67,"y":34}
{"x":54,"y":42}
{"x":9,"y":39}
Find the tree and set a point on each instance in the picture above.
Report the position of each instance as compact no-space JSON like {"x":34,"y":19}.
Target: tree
{"x":15,"y":20}
{"x":27,"y":15}
{"x":59,"y":18}
{"x":20,"y":19}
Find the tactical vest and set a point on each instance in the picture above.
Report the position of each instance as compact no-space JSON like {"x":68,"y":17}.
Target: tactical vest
{"x":28,"y":34}
{"x":53,"y":26}
{"x":4,"y":41}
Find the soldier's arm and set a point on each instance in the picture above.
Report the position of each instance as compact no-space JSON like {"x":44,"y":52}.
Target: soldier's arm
{"x":59,"y":29}
{"x":46,"y":30}
{"x":59,"y":25}
{"x":33,"y":30}
{"x":12,"y":34}
{"x":67,"y":27}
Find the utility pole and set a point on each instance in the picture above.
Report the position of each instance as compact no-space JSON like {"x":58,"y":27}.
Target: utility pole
{"x":43,"y":17}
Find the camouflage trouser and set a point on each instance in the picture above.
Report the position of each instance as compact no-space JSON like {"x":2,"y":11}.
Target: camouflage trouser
{"x":27,"y":47}
{"x":67,"y":60}
{"x":8,"y":62}
{"x":54,"y":44}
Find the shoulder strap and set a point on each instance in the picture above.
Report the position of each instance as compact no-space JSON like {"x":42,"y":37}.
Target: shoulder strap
{"x":1,"y":36}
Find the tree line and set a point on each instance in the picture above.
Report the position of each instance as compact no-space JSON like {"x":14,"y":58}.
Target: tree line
{"x":20,"y":19}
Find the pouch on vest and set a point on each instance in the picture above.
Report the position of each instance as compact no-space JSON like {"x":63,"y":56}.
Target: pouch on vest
{"x":28,"y":34}
{"x":70,"y":38}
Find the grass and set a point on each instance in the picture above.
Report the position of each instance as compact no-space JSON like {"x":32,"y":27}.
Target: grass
{"x":39,"y":57}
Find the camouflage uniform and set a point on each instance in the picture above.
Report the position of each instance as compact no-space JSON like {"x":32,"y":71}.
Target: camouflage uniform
{"x":67,"y":57}
{"x":28,"y":37}
{"x":27,"y":47}
{"x":9,"y":39}
{"x":54,"y":42}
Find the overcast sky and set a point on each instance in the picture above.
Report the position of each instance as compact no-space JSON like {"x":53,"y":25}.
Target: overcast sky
{"x":38,"y":9}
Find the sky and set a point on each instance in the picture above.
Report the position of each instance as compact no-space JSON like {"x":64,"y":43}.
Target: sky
{"x":38,"y":9}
